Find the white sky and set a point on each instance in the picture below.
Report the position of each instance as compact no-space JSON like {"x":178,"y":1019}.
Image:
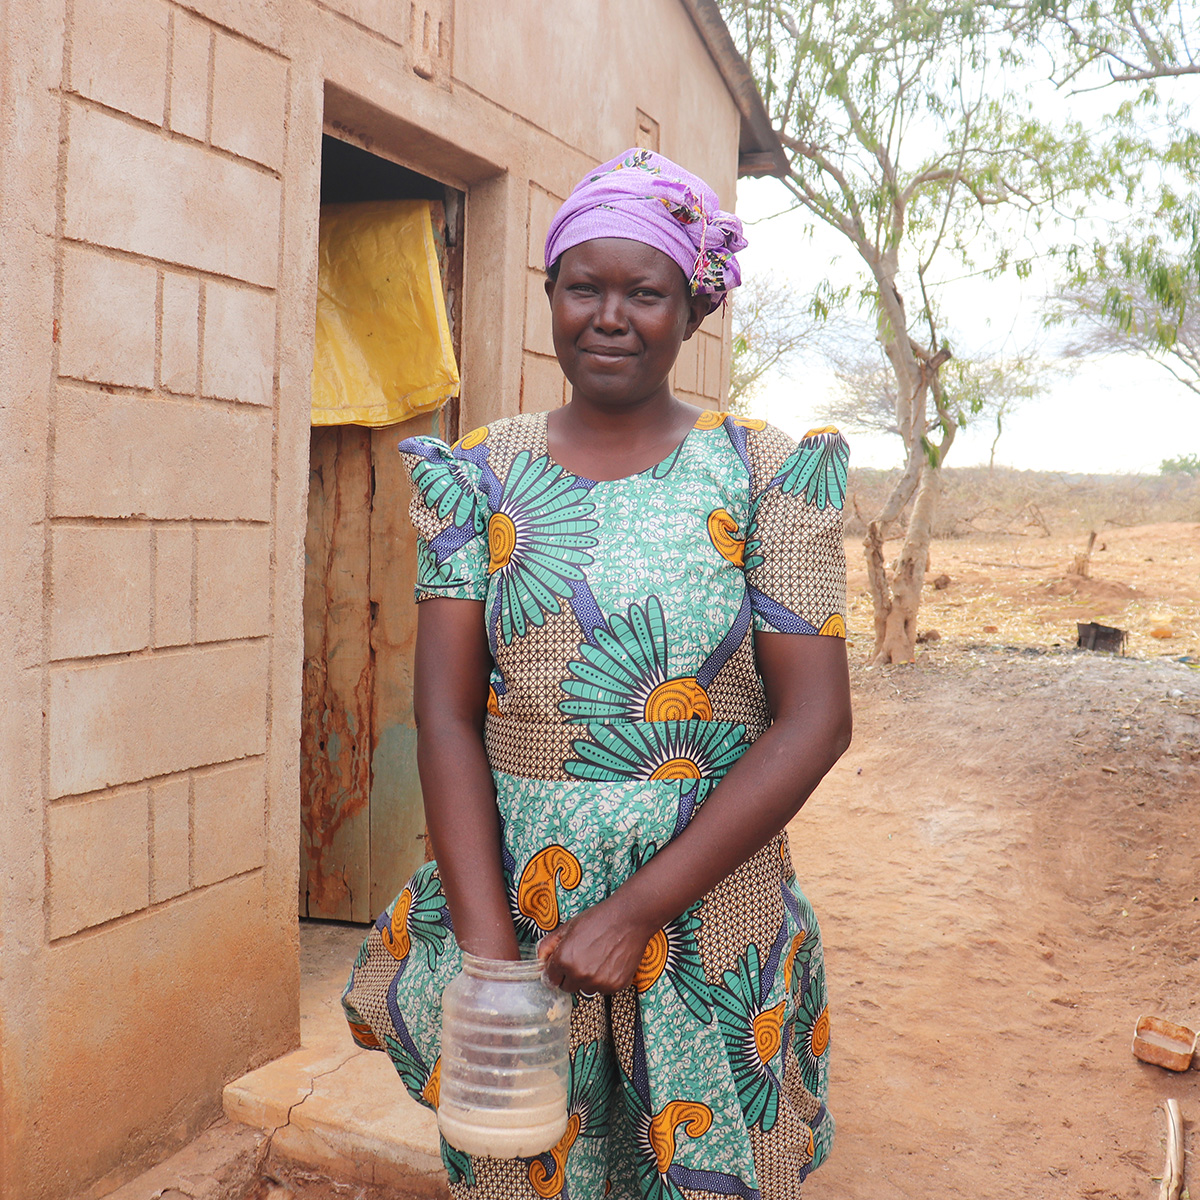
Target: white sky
{"x":1110,"y":414}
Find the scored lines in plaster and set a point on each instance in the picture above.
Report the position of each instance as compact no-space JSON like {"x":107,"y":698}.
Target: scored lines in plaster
{"x":187,"y":390}
{"x":172,"y":135}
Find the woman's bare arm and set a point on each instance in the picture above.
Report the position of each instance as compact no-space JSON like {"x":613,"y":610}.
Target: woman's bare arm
{"x":808,"y":692}
{"x":453,"y":666}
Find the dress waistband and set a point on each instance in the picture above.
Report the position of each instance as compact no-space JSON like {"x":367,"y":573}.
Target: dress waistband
{"x":614,"y":752}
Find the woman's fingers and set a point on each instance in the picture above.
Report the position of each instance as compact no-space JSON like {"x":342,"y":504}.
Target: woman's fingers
{"x":549,"y":943}
{"x":594,"y":953}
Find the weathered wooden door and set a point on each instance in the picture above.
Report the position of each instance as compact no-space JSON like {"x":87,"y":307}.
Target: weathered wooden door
{"x":362,"y":824}
{"x":361,"y":821}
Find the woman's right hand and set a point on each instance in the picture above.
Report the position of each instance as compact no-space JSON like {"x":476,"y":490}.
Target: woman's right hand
{"x":598,"y":951}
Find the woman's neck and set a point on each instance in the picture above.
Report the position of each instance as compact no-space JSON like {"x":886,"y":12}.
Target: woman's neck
{"x":605,"y":444}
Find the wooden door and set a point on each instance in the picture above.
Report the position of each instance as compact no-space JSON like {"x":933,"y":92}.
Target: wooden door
{"x":362,"y":825}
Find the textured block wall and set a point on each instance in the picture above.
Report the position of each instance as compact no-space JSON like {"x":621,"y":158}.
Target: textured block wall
{"x":148,"y":935}
{"x":160,"y":552}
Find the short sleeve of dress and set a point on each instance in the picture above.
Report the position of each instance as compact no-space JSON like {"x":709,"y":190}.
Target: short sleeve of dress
{"x":794,"y":555}
{"x":449,"y":513}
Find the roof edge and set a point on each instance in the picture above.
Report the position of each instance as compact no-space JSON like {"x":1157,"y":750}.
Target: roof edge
{"x":760,"y":152}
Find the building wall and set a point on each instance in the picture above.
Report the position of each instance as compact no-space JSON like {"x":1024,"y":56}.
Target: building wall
{"x":159,"y":175}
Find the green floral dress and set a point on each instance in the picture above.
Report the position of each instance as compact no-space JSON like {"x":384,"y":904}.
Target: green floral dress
{"x":621,"y":618}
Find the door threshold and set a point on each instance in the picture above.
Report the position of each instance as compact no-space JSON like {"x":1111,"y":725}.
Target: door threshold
{"x":330,"y":1105}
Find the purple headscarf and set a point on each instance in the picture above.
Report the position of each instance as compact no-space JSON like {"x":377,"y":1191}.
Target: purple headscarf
{"x":647,"y":198}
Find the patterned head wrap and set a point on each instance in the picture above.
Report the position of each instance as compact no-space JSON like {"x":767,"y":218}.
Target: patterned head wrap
{"x":647,"y":198}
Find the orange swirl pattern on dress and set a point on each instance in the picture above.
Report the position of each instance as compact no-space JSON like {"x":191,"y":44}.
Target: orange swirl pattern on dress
{"x":395,"y":937}
{"x":364,"y":1036}
{"x":820,"y":1033}
{"x":502,"y":541}
{"x":493,"y":702}
{"x":835,"y":626}
{"x":431,"y":1093}
{"x":470,"y":440}
{"x":653,"y":963}
{"x":680,"y":699}
{"x":721,"y":530}
{"x":537,"y":895}
{"x":789,"y":963}
{"x":709,"y":420}
{"x":691,"y":1114}
{"x":768,"y":1031}
{"x":675,"y":769}
{"x":550,"y":1183}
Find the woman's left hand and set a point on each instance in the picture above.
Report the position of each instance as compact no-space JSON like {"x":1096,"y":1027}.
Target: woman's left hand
{"x":596,"y":952}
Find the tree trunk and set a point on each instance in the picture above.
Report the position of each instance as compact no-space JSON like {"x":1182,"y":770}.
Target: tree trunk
{"x":896,"y":605}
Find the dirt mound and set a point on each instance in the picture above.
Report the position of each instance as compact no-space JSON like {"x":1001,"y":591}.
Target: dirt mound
{"x":1092,"y":589}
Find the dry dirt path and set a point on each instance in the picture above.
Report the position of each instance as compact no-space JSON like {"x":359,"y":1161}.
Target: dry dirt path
{"x":1007,"y":868}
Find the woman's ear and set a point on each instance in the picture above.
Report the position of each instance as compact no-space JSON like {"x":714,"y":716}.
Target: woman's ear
{"x":698,"y":309}
{"x":549,"y":285}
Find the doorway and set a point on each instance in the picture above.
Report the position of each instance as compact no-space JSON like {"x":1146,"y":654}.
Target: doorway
{"x":362,"y":823}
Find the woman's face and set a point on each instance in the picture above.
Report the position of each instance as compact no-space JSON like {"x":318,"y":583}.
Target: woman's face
{"x":620,"y":310}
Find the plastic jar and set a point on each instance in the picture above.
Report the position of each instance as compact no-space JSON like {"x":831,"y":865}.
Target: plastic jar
{"x":505,"y":1044}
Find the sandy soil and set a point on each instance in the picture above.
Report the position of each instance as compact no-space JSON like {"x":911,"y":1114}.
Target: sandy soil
{"x":1006,"y":867}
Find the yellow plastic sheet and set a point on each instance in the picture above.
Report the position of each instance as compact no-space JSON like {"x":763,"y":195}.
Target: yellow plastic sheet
{"x":383,"y":350}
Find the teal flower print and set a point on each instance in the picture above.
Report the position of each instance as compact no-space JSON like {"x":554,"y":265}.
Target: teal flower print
{"x":589,"y":1094}
{"x":673,"y":954}
{"x":624,"y":675}
{"x":418,"y":916}
{"x":752,"y":555}
{"x":458,"y":1164}
{"x":803,"y":955}
{"x":812,"y":1036}
{"x":656,"y":1135}
{"x":431,"y":573}
{"x":822,"y":1127}
{"x":817,"y":469}
{"x":538,"y":539}
{"x":423,"y":1083}
{"x":663,"y":750}
{"x":753,"y":1039}
{"x":445,"y":488}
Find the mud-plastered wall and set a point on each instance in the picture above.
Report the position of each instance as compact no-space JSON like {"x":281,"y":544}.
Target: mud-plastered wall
{"x":159,"y":198}
{"x":148,"y":939}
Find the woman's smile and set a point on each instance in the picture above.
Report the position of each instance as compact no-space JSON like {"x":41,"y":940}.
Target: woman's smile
{"x":607,"y":353}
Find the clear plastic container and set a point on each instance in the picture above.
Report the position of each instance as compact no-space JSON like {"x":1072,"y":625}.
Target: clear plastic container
{"x":505,"y":1043}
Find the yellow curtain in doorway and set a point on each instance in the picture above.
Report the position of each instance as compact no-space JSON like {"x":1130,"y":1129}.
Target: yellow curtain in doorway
{"x":383,"y":351}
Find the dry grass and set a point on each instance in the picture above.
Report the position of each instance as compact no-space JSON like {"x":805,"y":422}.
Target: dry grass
{"x":1008,"y":543}
{"x":1035,"y":503}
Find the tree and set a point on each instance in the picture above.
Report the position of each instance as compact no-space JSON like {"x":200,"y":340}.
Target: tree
{"x":772,"y":325}
{"x":1112,"y":312}
{"x":1185,"y":464}
{"x":1130,"y":41}
{"x":1138,"y":289}
{"x":983,"y":391}
{"x":904,"y":136}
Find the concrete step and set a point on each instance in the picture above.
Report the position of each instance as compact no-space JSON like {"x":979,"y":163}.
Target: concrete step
{"x":331,"y":1106}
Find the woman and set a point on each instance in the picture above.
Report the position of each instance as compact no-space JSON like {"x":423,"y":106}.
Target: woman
{"x":623,"y":606}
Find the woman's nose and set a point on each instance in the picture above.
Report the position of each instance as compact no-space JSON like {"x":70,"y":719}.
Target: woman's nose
{"x":610,"y":312}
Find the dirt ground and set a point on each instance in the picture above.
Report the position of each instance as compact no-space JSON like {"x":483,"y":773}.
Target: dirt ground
{"x":1005,"y":864}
